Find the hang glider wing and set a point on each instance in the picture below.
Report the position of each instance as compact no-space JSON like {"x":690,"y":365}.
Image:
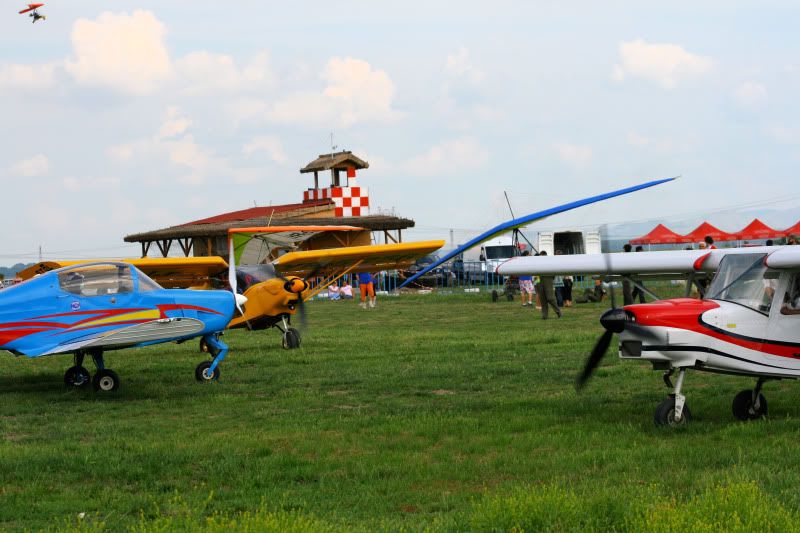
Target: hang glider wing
{"x":666,"y":264}
{"x":30,"y":7}
{"x":528,"y":219}
{"x":169,"y":272}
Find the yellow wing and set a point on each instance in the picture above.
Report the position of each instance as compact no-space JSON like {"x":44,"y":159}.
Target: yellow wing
{"x":169,"y":272}
{"x":354,"y":258}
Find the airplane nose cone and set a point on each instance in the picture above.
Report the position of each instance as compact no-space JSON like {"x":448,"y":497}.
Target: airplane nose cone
{"x":614,"y":320}
{"x":241,"y":299}
{"x":295,"y":285}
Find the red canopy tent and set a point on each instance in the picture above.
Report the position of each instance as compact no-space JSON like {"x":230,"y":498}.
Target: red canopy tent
{"x":699,"y":233}
{"x":758,"y":230}
{"x":660,"y":235}
{"x":794,"y":230}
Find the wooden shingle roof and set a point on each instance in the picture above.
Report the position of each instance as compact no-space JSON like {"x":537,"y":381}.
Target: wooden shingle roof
{"x":337,"y":160}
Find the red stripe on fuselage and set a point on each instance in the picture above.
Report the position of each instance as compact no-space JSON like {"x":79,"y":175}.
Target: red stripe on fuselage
{"x":175,"y":307}
{"x":686,"y":313}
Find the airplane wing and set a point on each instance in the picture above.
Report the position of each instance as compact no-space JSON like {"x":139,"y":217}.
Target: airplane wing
{"x":663,"y":263}
{"x":169,"y":272}
{"x":528,"y":219}
{"x":277,"y":237}
{"x":354,"y":258}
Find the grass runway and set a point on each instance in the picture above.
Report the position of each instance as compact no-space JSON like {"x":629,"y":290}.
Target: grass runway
{"x":451,"y":413}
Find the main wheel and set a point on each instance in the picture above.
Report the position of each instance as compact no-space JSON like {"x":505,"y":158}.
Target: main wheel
{"x":743,"y":406}
{"x":77,"y":376}
{"x":202,"y":372}
{"x":105,"y":380}
{"x":291,"y":339}
{"x":665,"y":414}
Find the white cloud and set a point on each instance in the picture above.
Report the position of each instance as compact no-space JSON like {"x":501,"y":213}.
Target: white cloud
{"x":448,"y":157}
{"x":205,"y":71}
{"x":750,"y":93}
{"x":121,"y":51}
{"x":75,"y":184}
{"x":459,"y":65}
{"x":573,"y":154}
{"x":270,"y":145}
{"x":174,"y":124}
{"x":37,"y":165}
{"x":664,"y":64}
{"x":355,"y":93}
{"x":31,"y":77}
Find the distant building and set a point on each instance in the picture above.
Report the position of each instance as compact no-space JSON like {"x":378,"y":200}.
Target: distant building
{"x":344,"y":202}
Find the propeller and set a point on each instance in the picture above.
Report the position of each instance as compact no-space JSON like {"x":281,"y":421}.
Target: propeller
{"x":615,"y":320}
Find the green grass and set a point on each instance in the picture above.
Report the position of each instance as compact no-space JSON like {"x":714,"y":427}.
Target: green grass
{"x":442,"y":412}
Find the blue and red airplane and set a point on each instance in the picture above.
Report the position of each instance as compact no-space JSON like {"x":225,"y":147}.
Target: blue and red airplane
{"x":88,"y":309}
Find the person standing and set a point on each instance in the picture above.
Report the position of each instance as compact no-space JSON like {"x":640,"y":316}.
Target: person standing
{"x":709,"y":240}
{"x":547,"y":294}
{"x":627,"y":292}
{"x":366,"y":287}
{"x":567,"y":291}
{"x":526,"y":289}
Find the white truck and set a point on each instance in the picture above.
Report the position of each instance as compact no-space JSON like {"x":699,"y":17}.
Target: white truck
{"x":569,"y":242}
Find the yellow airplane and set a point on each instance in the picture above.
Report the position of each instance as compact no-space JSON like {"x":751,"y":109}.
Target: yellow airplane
{"x":277,"y":281}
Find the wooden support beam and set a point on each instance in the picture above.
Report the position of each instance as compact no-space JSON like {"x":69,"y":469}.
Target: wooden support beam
{"x":164,"y":246}
{"x":145,"y":247}
{"x":186,"y":246}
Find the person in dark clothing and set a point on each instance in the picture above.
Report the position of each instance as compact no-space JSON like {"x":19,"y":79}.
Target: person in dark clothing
{"x":547,"y":294}
{"x":627,"y":292}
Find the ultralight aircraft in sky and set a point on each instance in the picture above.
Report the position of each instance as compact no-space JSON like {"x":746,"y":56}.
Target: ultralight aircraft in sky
{"x":33,"y":13}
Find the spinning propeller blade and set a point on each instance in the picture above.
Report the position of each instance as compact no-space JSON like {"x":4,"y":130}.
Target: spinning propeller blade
{"x":600,"y":349}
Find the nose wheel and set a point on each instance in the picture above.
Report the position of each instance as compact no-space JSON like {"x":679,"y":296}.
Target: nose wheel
{"x":673,"y":412}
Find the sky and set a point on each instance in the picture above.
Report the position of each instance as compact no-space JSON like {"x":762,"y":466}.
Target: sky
{"x":122,"y":117}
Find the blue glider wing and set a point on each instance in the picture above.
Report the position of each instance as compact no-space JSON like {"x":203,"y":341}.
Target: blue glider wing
{"x":527,"y":219}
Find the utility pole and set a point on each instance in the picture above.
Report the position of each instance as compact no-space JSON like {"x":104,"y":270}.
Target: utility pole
{"x":40,"y":253}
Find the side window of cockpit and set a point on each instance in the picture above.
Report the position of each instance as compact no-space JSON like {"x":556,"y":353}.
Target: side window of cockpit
{"x":791,"y":300}
{"x":97,"y":280}
{"x":770,"y":284}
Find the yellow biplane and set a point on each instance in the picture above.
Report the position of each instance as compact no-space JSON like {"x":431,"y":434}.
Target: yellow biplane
{"x":267,"y":266}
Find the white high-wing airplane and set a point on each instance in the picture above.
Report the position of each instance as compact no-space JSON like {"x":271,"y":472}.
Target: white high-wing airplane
{"x":747,"y":324}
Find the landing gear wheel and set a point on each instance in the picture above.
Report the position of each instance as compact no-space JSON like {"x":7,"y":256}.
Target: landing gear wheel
{"x":202,"y":373}
{"x":495,"y":296}
{"x":665,"y":414}
{"x":204,"y":346}
{"x":743,"y":408}
{"x":77,"y":376}
{"x":105,"y":380}
{"x":291,"y":339}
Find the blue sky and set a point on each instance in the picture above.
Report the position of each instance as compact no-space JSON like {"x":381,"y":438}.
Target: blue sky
{"x":123,"y":117}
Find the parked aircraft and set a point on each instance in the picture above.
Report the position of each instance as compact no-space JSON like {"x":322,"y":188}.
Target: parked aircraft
{"x":748,"y":323}
{"x":91,"y":308}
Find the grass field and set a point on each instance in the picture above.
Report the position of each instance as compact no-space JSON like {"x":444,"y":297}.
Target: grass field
{"x":441,"y":412}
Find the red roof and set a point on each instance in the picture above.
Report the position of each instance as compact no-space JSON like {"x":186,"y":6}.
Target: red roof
{"x":700,"y":232}
{"x":660,"y":235}
{"x":257,"y":212}
{"x":758,"y":230}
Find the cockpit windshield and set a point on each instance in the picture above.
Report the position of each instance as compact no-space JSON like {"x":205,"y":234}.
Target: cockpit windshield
{"x":745,"y":280}
{"x":96,"y":279}
{"x":248,"y":275}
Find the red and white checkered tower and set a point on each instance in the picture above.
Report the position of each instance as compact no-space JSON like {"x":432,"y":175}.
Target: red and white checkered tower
{"x":350,"y":199}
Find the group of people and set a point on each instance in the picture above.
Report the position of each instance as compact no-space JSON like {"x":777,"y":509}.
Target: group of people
{"x":366,"y":289}
{"x":548,"y":291}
